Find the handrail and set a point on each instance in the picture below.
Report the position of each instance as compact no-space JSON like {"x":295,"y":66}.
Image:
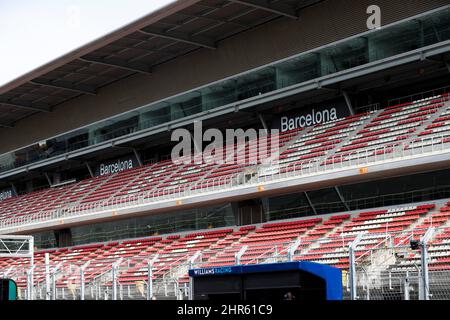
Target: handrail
{"x":261,"y":255}
{"x":373,"y":248}
{"x":436,"y":145}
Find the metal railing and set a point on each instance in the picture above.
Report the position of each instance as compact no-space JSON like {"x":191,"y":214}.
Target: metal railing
{"x":427,"y":146}
{"x":385,"y":268}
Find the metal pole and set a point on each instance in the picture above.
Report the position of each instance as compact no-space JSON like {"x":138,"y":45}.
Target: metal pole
{"x":114,"y":282}
{"x":191,"y":288}
{"x":150,"y":281}
{"x":424,"y":273}
{"x":352,"y":248}
{"x":81,"y":284}
{"x":406,"y":288}
{"x":82,"y":280}
{"x":53,"y":285}
{"x":424,"y":260}
{"x":47,"y":276}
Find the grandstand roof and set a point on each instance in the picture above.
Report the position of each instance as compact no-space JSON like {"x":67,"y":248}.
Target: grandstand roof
{"x":175,"y":30}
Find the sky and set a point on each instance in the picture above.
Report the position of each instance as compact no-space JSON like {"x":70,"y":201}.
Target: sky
{"x":34,"y":32}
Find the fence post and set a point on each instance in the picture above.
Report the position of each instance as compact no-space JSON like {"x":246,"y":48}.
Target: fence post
{"x":82,"y":280}
{"x":114,"y":269}
{"x":406,"y":287}
{"x":53,"y":280}
{"x":150,"y":264}
{"x":352,"y":271}
{"x":424,"y":262}
{"x":30,"y":284}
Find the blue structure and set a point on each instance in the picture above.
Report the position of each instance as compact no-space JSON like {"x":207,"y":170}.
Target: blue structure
{"x":8,"y":290}
{"x":332,"y":276}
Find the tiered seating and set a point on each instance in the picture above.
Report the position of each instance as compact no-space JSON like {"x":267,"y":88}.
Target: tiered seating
{"x":327,"y":143}
{"x":264,"y":241}
{"x":438,"y":132}
{"x":318,"y":142}
{"x":48,"y":199}
{"x":439,"y":250}
{"x":116,"y":182}
{"x":322,"y":240}
{"x":334,"y":249}
{"x":392,"y":127}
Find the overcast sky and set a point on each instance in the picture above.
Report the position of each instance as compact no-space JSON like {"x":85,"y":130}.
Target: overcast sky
{"x":33,"y":32}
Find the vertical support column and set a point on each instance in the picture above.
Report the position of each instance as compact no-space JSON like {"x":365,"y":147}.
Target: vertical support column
{"x":82,"y":280}
{"x":292,"y":249}
{"x":310,"y":203}
{"x":50,"y":183}
{"x":349,"y":102}
{"x":82,"y":284}
{"x":88,"y":166}
{"x":341,"y":198}
{"x":13,"y":188}
{"x":263,"y":122}
{"x":138,"y":157}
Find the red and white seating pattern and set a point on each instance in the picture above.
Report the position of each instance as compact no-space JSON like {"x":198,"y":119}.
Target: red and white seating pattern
{"x":329,"y":143}
{"x":392,"y":127}
{"x":323,"y":240}
{"x":319,"y":141}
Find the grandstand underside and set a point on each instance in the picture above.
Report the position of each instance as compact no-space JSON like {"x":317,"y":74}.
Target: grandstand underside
{"x":362,"y":120}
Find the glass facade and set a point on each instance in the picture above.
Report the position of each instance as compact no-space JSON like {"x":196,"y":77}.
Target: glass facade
{"x":181,"y":221}
{"x":356,"y":51}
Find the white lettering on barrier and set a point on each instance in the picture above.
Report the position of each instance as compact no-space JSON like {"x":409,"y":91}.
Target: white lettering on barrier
{"x":119,"y":166}
{"x":311,"y":119}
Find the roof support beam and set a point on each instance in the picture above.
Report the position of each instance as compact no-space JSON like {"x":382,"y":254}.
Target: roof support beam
{"x":278,"y":8}
{"x":41,"y":107}
{"x":79,"y":88}
{"x":181,"y":37}
{"x":118,"y":63}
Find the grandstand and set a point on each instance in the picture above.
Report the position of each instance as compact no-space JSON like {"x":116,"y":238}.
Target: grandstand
{"x":361,"y":173}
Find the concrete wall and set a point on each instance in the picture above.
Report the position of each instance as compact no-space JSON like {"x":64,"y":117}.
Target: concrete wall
{"x":318,"y":25}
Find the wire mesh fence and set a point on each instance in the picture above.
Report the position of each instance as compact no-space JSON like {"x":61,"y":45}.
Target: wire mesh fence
{"x":375,"y":266}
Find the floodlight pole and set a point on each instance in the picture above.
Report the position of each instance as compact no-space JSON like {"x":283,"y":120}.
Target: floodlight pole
{"x":352,"y":271}
{"x":424,"y":261}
